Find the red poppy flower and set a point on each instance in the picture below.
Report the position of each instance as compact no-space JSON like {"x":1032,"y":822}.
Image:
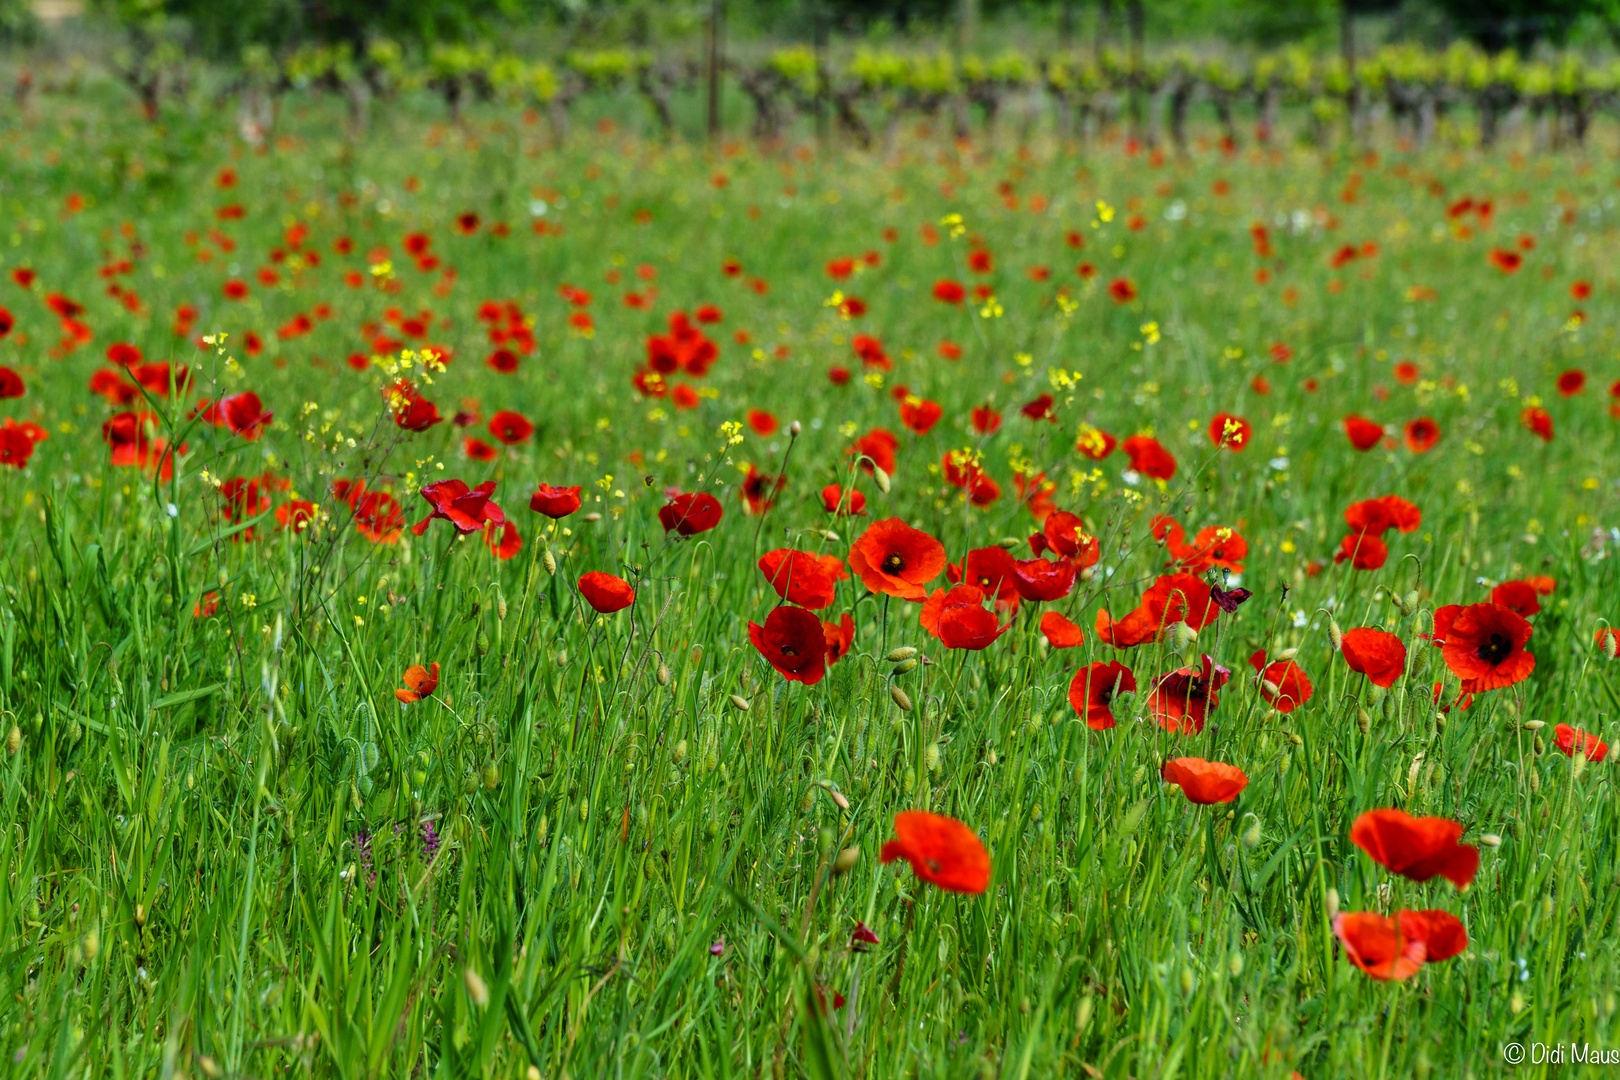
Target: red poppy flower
{"x":1215,"y":546}
{"x":879,"y":444}
{"x":840,"y":637}
{"x":420,"y":682}
{"x":510,"y":427}
{"x":1059,"y":632}
{"x":235,"y":289}
{"x":957,"y":617}
{"x":1093,"y":689}
{"x":919,"y":415}
{"x":378,"y":517}
{"x":1041,"y":580}
{"x":1518,"y":597}
{"x":1172,"y":598}
{"x":16,"y":447}
{"x":555,"y":502}
{"x":1293,"y":688}
{"x":1364,"y":551}
{"x":1506,"y":260}
{"x":794,"y":643}
{"x":1204,"y":782}
{"x":411,"y":411}
{"x":980,"y":261}
{"x":1378,"y":516}
{"x":504,"y":541}
{"x":1149,"y":457}
{"x":1484,"y":647}
{"x":891,"y":557}
{"x":1377,"y":654}
{"x":1376,"y":945}
{"x":11,"y":384}
{"x":295,"y":514}
{"x":1095,"y":443}
{"x":1574,"y":741}
{"x":242,"y":413}
{"x":1421,"y":434}
{"x":799,"y":577}
{"x":1364,"y":434}
{"x":1580,"y":291}
{"x":834,"y":502}
{"x":991,"y":570}
{"x":504,"y":361}
{"x":985,"y":420}
{"x":947,"y":291}
{"x":1537,"y":421}
{"x":942,"y":851}
{"x":1182,"y":699}
{"x":1230,"y":432}
{"x":762,"y":422}
{"x":690,"y":514}
{"x":606,"y":593}
{"x":1416,"y":848}
{"x":1039,"y":409}
{"x":467,"y":509}
{"x":1571,"y":382}
{"x":479,"y":450}
{"x":1121,"y":290}
{"x":758,"y":491}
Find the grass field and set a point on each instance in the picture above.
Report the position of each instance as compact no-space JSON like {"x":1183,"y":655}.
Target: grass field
{"x":626,"y":844}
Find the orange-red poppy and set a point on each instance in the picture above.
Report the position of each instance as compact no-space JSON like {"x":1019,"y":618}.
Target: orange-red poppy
{"x":1283,"y":683}
{"x":840,"y":638}
{"x":1519,"y":597}
{"x":942,"y":851}
{"x":1204,"y":782}
{"x":1484,"y":646}
{"x":1364,"y":434}
{"x":794,"y":642}
{"x":1537,"y":421}
{"x":800,"y":577}
{"x":1059,"y":632}
{"x":1377,"y":654}
{"x":1376,"y":945}
{"x":1149,"y":457}
{"x":1416,"y":848}
{"x":1230,"y":432}
{"x":1181,"y":700}
{"x":1421,"y":434}
{"x":1093,"y":689}
{"x":690,"y":514}
{"x":1574,"y":741}
{"x":891,"y":557}
{"x":1172,"y":598}
{"x":555,"y":502}
{"x":605,"y":592}
{"x":420,"y":682}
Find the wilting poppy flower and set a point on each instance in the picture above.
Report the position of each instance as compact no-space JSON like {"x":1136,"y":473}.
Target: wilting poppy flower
{"x":1416,"y":848}
{"x":510,"y":427}
{"x":1574,"y":741}
{"x":799,"y":577}
{"x":1182,"y":699}
{"x":1292,"y":687}
{"x":1376,"y":945}
{"x":1059,"y":632}
{"x":920,"y":415}
{"x":1421,"y":434}
{"x":1121,"y":290}
{"x":794,"y":643}
{"x":1042,"y":580}
{"x":504,"y":540}
{"x":468,"y":509}
{"x":606,"y":593}
{"x":1518,"y":597}
{"x":891,"y":557}
{"x":1484,"y":647}
{"x":1204,"y":782}
{"x":1537,"y":421}
{"x":690,"y":514}
{"x":11,"y":384}
{"x":1095,"y":443}
{"x":555,"y":502}
{"x":1364,"y":551}
{"x":1377,"y":654}
{"x":840,"y":637}
{"x":1172,"y":598}
{"x":834,"y":502}
{"x":1364,"y":434}
{"x":1230,"y":432}
{"x":1149,"y":457}
{"x":949,"y":292}
{"x":942,"y":851}
{"x":1093,"y":689}
{"x":420,"y":682}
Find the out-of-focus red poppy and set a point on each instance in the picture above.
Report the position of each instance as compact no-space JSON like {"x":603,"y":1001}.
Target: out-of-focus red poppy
{"x":892,"y":558}
{"x":761,"y":422}
{"x":295,"y":514}
{"x":1574,"y":741}
{"x":1519,"y":597}
{"x":793,"y":642}
{"x":1283,"y":683}
{"x":411,"y":411}
{"x":1364,"y":434}
{"x":833,"y":501}
{"x":503,"y":540}
{"x":479,"y":450}
{"x":11,"y":384}
{"x":468,"y":509}
{"x":1204,"y":782}
{"x":510,"y":427}
{"x":1571,"y":382}
{"x":1484,"y":647}
{"x":1149,"y":457}
{"x":1506,"y":259}
{"x":17,"y":442}
{"x":1377,"y":654}
{"x":690,"y":514}
{"x":942,"y":851}
{"x":1538,"y":421}
{"x":378,"y":517}
{"x":420,"y":682}
{"x":949,"y":292}
{"x":1182,"y":699}
{"x":1376,"y":946}
{"x":242,"y":413}
{"x":1363,"y":551}
{"x":555,"y":502}
{"x":605,"y":592}
{"x":1095,"y":443}
{"x":879,"y":445}
{"x":1416,"y":848}
{"x":758,"y":491}
{"x":1093,"y":689}
{"x":840,"y":637}
{"x":799,"y":577}
{"x":919,"y":415}
{"x":1059,"y":632}
{"x":1421,"y":434}
{"x":1039,"y":409}
{"x":1230,"y":432}
{"x":985,"y":420}
{"x":1121,"y":290}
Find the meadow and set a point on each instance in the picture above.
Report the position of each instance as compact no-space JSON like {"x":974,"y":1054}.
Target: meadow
{"x":793,"y":743}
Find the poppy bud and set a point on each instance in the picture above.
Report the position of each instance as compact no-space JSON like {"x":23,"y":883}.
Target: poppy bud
{"x":541,"y":830}
{"x":1535,"y":781}
{"x":678,"y":754}
{"x":663,"y":674}
{"x":1440,"y":722}
{"x":1330,"y":901}
{"x":500,"y":609}
{"x":1490,"y":839}
{"x":824,"y":841}
{"x":1008,"y":542}
{"x":1293,"y":737}
{"x":13,"y":740}
{"x":1234,"y":963}
{"x":591,"y":518}
{"x":140,"y":915}
{"x":1287,"y":654}
{"x":794,"y":429}
{"x":92,"y":944}
{"x":584,"y":809}
{"x":1189,"y":981}
{"x":550,"y":562}
{"x":903,"y":652}
{"x":1611,"y":641}
{"x":881,"y":477}
{"x":1271,"y":688}
{"x":1534,"y":725}
{"x":492,"y":776}
{"x":483,"y":643}
{"x":739,"y":703}
{"x":1335,"y":635}
{"x":1251,"y":835}
{"x":1516,"y":1003}
{"x":1363,"y":720}
{"x":846,"y":860}
{"x":1182,"y":636}
{"x":476,"y":990}
{"x":900,"y":697}
{"x":931,"y":757}
{"x":905,"y":666}
{"x":562,"y":658}
{"x":1409,"y":602}
{"x":208,"y":1065}
{"x":224,"y":577}
{"x":1577,"y":765}
{"x":1082,"y":1015}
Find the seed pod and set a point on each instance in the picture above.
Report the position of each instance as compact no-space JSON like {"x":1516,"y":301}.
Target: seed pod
{"x":900,"y":697}
{"x":476,"y":990}
{"x":1335,"y":635}
{"x":739,"y":703}
{"x":903,"y":652}
{"x":905,"y":665}
{"x":846,"y":860}
{"x":881,"y":477}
